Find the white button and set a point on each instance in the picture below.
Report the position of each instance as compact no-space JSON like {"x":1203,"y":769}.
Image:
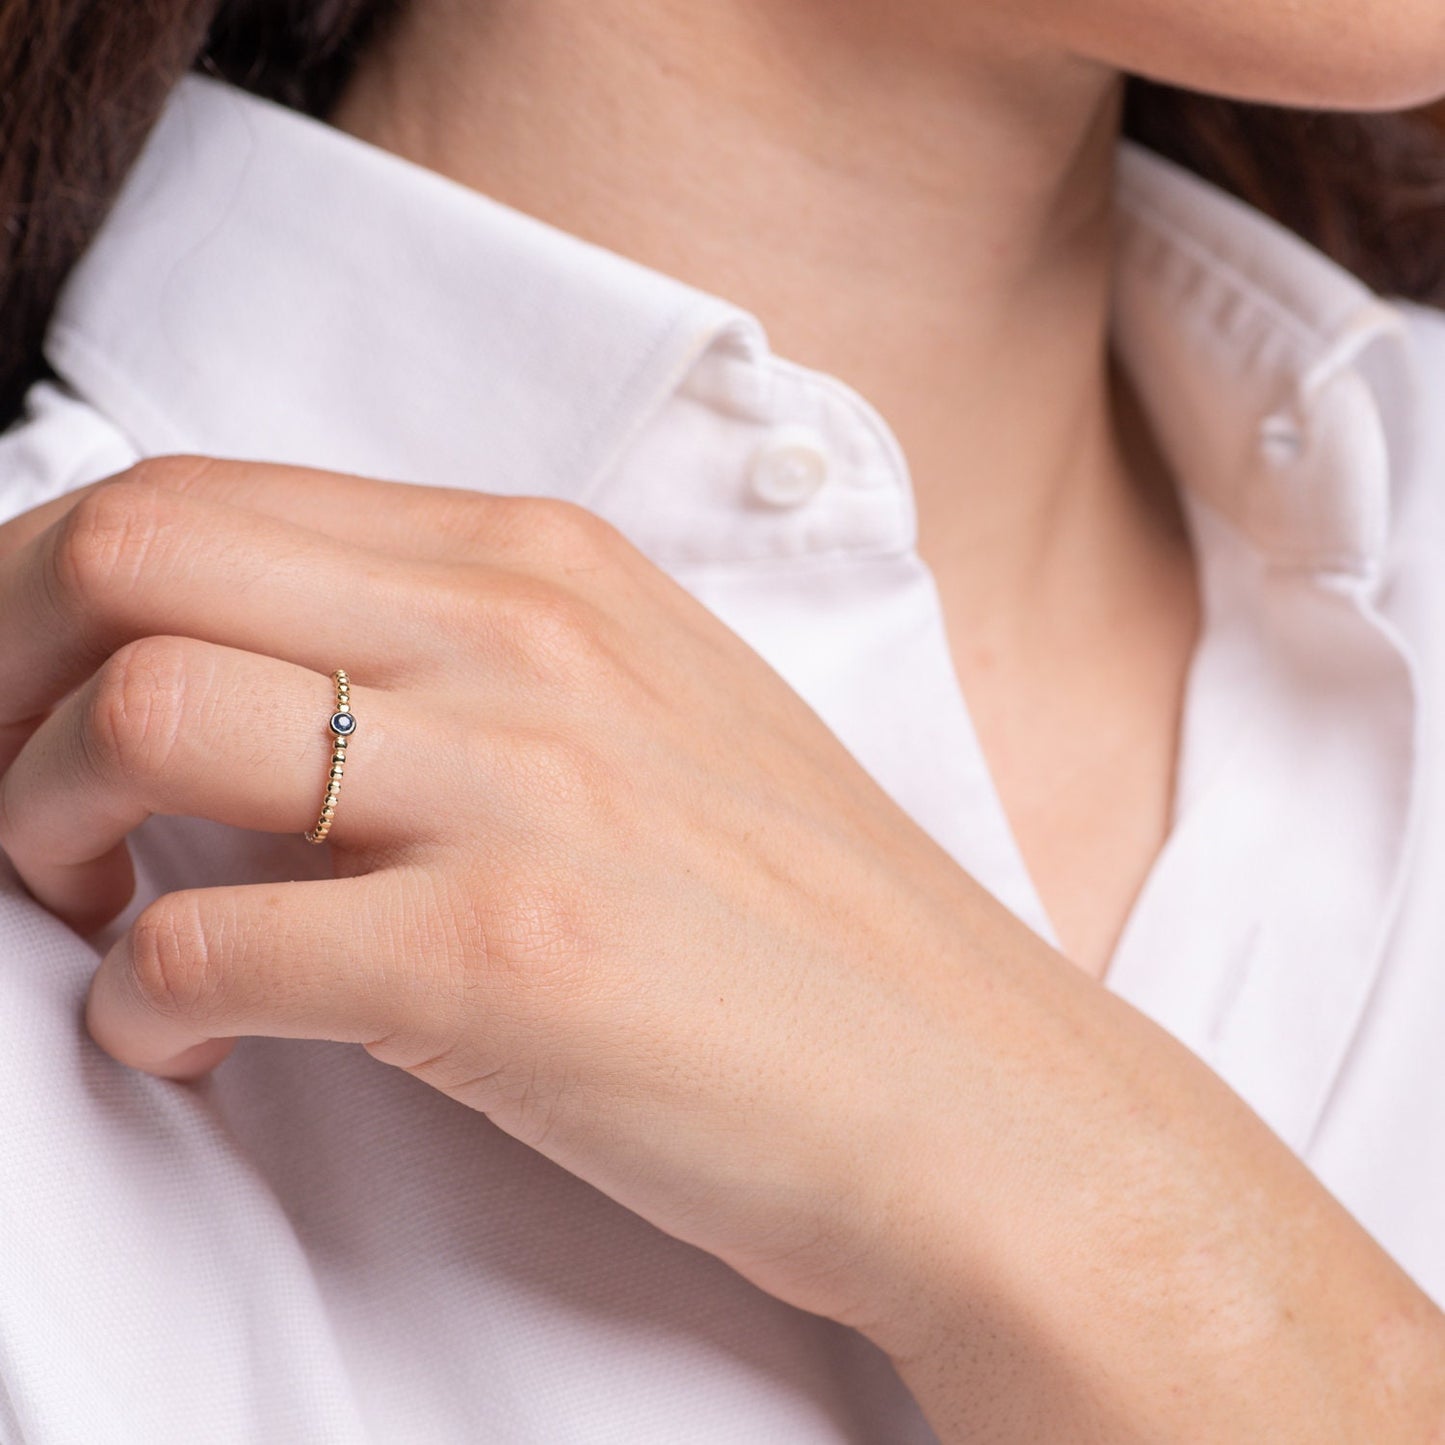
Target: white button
{"x":1281,"y":440}
{"x":790,"y":466}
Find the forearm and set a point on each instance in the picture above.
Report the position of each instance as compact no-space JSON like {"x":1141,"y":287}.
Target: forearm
{"x":1163,"y":1269}
{"x":1272,"y":1329}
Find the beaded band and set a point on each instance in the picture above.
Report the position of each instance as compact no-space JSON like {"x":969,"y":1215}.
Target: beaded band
{"x":342,"y":724}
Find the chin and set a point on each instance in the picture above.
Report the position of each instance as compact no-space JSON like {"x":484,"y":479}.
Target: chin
{"x":1365,"y":58}
{"x":1346,"y":55}
{"x":1332,"y":91}
{"x":1347,"y":84}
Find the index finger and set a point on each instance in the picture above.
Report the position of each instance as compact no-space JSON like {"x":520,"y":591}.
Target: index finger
{"x":405,"y":519}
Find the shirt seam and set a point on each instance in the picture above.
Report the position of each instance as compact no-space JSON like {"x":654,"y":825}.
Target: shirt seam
{"x":1149,"y":214}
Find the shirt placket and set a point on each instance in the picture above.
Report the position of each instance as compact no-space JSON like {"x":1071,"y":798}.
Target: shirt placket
{"x":1266,"y":918}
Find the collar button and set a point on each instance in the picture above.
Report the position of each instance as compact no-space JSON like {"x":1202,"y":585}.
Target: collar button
{"x":789,"y":466}
{"x":1281,"y":440}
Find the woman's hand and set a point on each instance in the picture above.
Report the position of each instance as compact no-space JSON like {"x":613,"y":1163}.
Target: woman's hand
{"x":603,"y":876}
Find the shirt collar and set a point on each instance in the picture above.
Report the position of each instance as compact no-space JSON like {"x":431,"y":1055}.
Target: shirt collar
{"x":1279,"y":385}
{"x":269,"y":286}
{"x":434,"y":327}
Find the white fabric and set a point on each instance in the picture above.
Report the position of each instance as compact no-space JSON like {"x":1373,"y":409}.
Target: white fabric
{"x":312,"y":1247}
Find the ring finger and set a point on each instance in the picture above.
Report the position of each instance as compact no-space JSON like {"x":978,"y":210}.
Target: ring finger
{"x":172,"y":725}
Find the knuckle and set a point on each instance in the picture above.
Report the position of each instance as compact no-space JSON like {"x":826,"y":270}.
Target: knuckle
{"x":544,"y":959}
{"x":104,"y":542}
{"x":561,"y":775}
{"x":569,"y":535}
{"x":136,"y":705}
{"x":548,"y":632}
{"x":557,"y":627}
{"x":545,"y":930}
{"x":531,"y":921}
{"x":168,"y":959}
{"x":556,"y":635}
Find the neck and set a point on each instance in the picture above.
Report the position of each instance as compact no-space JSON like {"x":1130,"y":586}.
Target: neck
{"x":920,"y":208}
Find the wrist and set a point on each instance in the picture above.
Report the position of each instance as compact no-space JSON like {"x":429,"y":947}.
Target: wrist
{"x":1168,"y":1271}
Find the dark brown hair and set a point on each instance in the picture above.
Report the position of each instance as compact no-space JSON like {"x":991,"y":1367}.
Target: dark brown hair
{"x":82,"y":82}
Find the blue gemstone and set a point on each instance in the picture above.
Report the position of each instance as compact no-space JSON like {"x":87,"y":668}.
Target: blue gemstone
{"x":343,"y":723}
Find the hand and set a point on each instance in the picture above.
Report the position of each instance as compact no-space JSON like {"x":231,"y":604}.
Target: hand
{"x":601,"y":874}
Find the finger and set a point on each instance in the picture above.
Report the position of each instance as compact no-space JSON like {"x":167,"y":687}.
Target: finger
{"x":401,"y":519}
{"x":205,"y":966}
{"x":171,"y":725}
{"x":135,"y":561}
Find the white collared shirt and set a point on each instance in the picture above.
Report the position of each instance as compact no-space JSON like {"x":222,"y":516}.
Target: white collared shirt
{"x":313,"y":1247}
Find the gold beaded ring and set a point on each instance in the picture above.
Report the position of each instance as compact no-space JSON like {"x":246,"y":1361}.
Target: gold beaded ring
{"x":342,"y":724}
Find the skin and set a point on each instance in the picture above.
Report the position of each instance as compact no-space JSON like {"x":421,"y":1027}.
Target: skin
{"x":1057,"y":1222}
